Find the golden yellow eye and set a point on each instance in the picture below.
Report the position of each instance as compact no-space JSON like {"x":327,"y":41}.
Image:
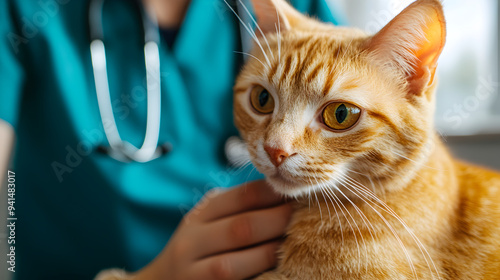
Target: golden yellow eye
{"x":340,"y":115}
{"x":262,"y":101}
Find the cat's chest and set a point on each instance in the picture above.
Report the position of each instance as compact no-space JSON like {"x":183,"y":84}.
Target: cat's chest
{"x":353,"y":244}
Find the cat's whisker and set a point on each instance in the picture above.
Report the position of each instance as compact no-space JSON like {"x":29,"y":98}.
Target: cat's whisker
{"x":373,"y":185}
{"x":251,"y":33}
{"x":441,"y":135}
{"x":256,"y":39}
{"x":354,"y":192}
{"x":350,"y":225}
{"x":414,"y":161}
{"x":240,"y":169}
{"x":400,"y":242}
{"x":363,"y":188}
{"x":336,"y":213}
{"x":340,"y":205}
{"x":369,"y":179}
{"x":367,"y":222}
{"x":381,"y":187}
{"x":364,"y":219}
{"x":250,"y":173}
{"x":309,"y":195}
{"x":422,"y":248}
{"x":258,"y":27}
{"x":279,"y":42}
{"x":361,"y":214}
{"x":252,"y":56}
{"x":319,"y":206}
{"x":326,"y":202}
{"x":241,"y":166}
{"x":279,"y":36}
{"x":324,"y":185}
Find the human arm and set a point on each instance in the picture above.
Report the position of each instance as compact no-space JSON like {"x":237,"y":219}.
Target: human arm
{"x":231,"y":234}
{"x":6,"y":144}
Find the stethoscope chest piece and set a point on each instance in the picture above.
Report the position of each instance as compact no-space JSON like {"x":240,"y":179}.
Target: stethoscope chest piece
{"x":121,"y":155}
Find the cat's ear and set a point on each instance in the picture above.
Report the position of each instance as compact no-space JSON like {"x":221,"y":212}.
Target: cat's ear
{"x":274,"y":15}
{"x":412,"y":43}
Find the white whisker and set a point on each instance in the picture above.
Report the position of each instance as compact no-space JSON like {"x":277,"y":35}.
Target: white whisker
{"x":361,"y":215}
{"x":327,"y":207}
{"x":394,"y":233}
{"x":258,"y":27}
{"x":252,"y":34}
{"x":250,"y":173}
{"x":340,"y":204}
{"x":279,"y":35}
{"x":252,"y":56}
{"x":405,"y":157}
{"x":319,"y":206}
{"x":336,"y":213}
{"x":366,"y":193}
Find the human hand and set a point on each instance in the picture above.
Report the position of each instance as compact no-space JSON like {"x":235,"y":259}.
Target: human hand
{"x":230,"y":234}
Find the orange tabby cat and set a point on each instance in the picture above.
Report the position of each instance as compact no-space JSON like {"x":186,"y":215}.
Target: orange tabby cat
{"x":343,"y":122}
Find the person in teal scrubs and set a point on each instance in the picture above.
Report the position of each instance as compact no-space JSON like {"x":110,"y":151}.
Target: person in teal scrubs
{"x":80,"y":211}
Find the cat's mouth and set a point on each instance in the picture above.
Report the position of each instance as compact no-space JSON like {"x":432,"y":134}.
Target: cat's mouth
{"x":293,"y":183}
{"x":281,"y":176}
{"x":285,"y":184}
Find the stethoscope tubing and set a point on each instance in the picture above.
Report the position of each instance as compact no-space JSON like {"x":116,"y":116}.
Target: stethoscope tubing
{"x":119,"y":149}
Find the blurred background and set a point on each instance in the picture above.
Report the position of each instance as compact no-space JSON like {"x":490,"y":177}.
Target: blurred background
{"x":468,"y":99}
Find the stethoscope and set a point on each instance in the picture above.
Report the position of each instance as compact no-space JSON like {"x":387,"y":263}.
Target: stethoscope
{"x":120,"y":149}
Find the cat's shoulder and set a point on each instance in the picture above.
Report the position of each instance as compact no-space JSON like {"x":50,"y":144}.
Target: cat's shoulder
{"x":478,"y":184}
{"x":477,"y":175}
{"x":479,"y":213}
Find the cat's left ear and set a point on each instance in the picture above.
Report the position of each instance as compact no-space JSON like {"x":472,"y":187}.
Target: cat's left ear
{"x":274,"y":15}
{"x":412,"y":42}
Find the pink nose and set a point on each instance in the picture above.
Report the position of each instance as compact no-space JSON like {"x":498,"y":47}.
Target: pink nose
{"x":277,"y":156}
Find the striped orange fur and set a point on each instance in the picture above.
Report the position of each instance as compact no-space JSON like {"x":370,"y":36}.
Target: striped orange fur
{"x":383,"y":199}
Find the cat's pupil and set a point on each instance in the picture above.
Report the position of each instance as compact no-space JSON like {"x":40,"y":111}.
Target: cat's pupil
{"x":341,"y":113}
{"x":263,"y":98}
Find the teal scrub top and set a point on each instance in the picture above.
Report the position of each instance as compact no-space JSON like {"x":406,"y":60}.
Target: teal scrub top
{"x":79,"y":211}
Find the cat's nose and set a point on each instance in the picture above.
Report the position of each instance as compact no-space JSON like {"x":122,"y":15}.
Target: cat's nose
{"x":277,"y":156}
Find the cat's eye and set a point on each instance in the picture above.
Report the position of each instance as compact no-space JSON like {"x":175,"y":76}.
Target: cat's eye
{"x":262,"y":101}
{"x":340,"y":115}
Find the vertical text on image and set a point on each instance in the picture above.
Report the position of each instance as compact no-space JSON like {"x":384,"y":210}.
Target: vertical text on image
{"x":11,"y":220}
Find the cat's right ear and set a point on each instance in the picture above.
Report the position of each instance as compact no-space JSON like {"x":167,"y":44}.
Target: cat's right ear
{"x":412,"y":42}
{"x":275,"y":15}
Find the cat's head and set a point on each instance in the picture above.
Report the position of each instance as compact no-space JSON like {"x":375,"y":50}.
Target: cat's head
{"x":319,"y":104}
